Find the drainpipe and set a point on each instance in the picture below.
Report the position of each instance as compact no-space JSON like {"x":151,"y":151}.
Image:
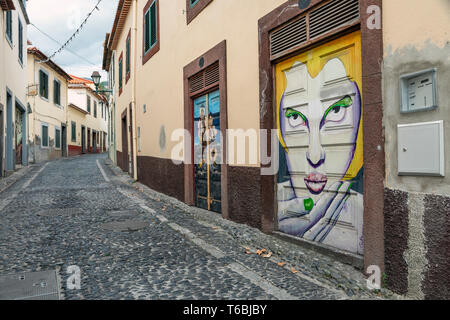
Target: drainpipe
{"x":133,"y":97}
{"x":34,"y":111}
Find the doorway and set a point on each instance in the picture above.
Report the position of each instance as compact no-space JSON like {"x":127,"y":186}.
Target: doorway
{"x":207,"y":152}
{"x":63,"y":140}
{"x":319,"y":120}
{"x":89,"y":141}
{"x":125,"y":162}
{"x":83,"y":139}
{"x":2,"y":138}
{"x":94,"y":141}
{"x":20,"y":134}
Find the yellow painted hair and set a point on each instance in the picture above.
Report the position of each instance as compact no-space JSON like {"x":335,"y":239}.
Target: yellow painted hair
{"x":348,"y":50}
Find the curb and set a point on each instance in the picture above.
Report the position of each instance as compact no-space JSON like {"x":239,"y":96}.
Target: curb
{"x":6,"y":183}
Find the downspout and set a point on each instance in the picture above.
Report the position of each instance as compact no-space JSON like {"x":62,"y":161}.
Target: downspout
{"x":34,"y":111}
{"x":133,"y":97}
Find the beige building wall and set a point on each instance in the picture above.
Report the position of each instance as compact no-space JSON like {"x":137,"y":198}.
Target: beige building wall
{"x":124,"y":99}
{"x":160,"y":80}
{"x":416,"y":37}
{"x":45,"y":111}
{"x":13,"y":75}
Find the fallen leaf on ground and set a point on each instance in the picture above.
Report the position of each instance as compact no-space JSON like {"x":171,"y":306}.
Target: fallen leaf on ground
{"x":293,"y":270}
{"x":215,"y":228}
{"x":268,"y":255}
{"x":164,"y":209}
{"x":281,"y":264}
{"x":260,"y":252}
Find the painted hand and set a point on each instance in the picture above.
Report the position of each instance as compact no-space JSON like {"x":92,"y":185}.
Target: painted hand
{"x":320,"y":220}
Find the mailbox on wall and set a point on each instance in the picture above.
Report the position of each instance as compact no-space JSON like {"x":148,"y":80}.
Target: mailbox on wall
{"x":421,"y":149}
{"x":418,"y":91}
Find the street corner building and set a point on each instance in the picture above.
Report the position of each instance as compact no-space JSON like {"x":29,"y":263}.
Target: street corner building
{"x":66,"y":116}
{"x":87,"y":118}
{"x":13,"y":93}
{"x":47,"y":99}
{"x":322,"y":121}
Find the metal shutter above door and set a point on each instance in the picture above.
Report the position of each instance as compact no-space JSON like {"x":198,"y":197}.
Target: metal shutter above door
{"x":313,"y":24}
{"x":205,"y":79}
{"x":289,"y":36}
{"x":335,"y":14}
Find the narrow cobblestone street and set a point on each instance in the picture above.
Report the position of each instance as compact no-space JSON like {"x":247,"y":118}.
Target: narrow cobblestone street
{"x":132,"y":243}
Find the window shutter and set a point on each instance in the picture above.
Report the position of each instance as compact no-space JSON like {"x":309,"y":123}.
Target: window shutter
{"x":41,"y":83}
{"x":44,"y":136}
{"x":57,"y":138}
{"x":147,"y":31}
{"x":55,"y":92}
{"x":128,"y":55}
{"x":153,"y":24}
{"x":20,"y":41}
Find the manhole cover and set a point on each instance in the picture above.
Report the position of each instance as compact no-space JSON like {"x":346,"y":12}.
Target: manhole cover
{"x":124,"y":213}
{"x":60,"y":212}
{"x":127,"y":225}
{"x":29,"y":286}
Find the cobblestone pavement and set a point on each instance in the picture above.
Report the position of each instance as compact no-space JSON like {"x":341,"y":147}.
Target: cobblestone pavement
{"x":83,"y":211}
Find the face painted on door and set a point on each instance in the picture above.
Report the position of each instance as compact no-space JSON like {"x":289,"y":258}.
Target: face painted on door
{"x":319,"y":123}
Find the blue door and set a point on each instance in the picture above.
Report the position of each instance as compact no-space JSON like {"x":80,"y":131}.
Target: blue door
{"x":207,"y":152}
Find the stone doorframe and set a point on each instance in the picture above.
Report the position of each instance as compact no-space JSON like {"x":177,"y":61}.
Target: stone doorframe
{"x":216,"y":54}
{"x":374,"y":156}
{"x":24,"y":114}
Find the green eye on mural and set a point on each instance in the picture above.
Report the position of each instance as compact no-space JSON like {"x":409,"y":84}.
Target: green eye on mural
{"x":295,"y":118}
{"x":337,"y":107}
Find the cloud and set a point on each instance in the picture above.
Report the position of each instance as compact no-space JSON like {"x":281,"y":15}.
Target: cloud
{"x":60,"y":19}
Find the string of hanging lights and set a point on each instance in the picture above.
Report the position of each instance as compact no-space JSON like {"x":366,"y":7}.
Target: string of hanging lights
{"x":73,"y":35}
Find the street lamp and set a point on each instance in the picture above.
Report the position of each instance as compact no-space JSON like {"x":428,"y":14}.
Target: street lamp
{"x":96,"y":77}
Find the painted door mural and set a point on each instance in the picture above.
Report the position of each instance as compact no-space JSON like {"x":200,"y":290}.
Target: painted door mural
{"x":207,"y":152}
{"x":19,"y":136}
{"x":321,"y":146}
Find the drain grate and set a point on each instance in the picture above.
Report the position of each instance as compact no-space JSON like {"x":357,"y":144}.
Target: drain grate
{"x":29,"y":286}
{"x":60,"y":212}
{"x":123,"y":226}
{"x":124,"y":213}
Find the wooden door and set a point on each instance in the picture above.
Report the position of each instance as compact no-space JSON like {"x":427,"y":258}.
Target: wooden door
{"x":319,"y":117}
{"x":207,"y":152}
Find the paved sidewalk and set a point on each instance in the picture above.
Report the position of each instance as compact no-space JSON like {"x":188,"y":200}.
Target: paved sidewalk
{"x":133,"y":243}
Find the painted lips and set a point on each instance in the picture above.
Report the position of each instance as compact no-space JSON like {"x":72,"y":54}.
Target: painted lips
{"x":316,"y":182}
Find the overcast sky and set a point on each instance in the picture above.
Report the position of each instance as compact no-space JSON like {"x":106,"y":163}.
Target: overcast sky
{"x":60,"y":19}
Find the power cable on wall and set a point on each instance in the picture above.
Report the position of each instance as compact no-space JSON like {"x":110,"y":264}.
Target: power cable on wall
{"x":73,"y":35}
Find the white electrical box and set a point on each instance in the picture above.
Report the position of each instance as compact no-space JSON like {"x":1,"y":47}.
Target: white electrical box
{"x":421,"y":149}
{"x":418,"y":91}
